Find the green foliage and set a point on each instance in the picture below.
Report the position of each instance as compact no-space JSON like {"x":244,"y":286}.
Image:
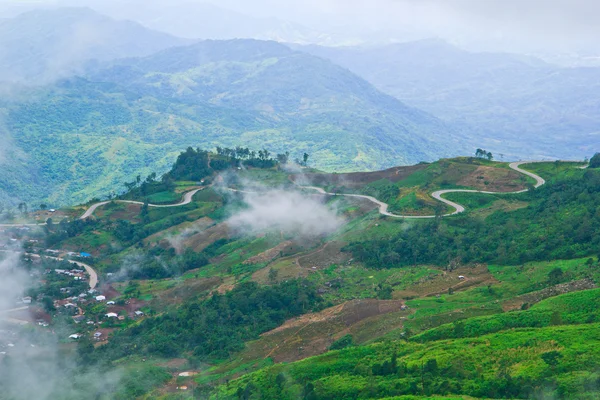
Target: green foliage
{"x":595,"y":161}
{"x":563,"y":223}
{"x":512,"y":364}
{"x":342,"y":343}
{"x":216,"y":327}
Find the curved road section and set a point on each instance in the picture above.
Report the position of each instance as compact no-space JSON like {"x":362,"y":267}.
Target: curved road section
{"x":383,"y":207}
{"x":187,"y":199}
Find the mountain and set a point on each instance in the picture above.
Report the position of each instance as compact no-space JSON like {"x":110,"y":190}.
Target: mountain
{"x":199,"y":20}
{"x":518,"y":105}
{"x":43,"y":45}
{"x":83,"y":137}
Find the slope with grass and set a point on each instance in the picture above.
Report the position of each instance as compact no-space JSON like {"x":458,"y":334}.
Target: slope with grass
{"x":270,"y":314}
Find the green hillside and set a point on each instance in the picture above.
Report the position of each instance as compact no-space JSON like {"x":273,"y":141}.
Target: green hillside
{"x":82,"y":138}
{"x":239,"y":301}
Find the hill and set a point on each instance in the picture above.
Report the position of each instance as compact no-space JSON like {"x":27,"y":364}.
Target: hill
{"x":260,"y":288}
{"x":43,"y":45}
{"x":132,"y":117}
{"x":518,"y":105}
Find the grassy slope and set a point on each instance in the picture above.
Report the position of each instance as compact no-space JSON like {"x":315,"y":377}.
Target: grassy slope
{"x":427,"y":313}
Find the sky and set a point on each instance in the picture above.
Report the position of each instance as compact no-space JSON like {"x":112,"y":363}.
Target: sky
{"x":526,"y":26}
{"x":542,"y":25}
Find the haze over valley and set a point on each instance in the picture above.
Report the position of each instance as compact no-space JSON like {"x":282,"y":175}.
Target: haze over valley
{"x":299,"y":200}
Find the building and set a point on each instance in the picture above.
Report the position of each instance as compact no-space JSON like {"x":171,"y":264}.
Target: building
{"x":26,"y":300}
{"x":112,"y":315}
{"x":100,"y":298}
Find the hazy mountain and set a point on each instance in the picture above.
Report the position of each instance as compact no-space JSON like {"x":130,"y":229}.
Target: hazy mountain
{"x":198,"y":20}
{"x":42,"y":45}
{"x":514,"y":104}
{"x":85,"y":137}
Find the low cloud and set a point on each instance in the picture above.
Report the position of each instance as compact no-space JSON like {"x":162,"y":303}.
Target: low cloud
{"x":290,"y":212}
{"x":33,"y":364}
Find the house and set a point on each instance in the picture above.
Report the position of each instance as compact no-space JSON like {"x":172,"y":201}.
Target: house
{"x":110,"y":303}
{"x":78,"y":318}
{"x":97,"y":335}
{"x":85,"y":255}
{"x":70,"y":305}
{"x":139,"y":313}
{"x":100,"y":298}
{"x":75,"y":336}
{"x":26,"y":300}
{"x":461,"y":277}
{"x":112,"y":315}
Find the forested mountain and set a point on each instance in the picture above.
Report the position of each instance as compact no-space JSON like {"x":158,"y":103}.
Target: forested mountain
{"x":517,"y":104}
{"x":42,"y":45}
{"x":82,"y":137}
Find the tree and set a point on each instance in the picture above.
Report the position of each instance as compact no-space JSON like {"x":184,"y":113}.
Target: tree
{"x":555,"y":276}
{"x":43,"y":206}
{"x":552,"y":358}
{"x":272,"y":275}
{"x":595,"y":161}
{"x":305,"y":159}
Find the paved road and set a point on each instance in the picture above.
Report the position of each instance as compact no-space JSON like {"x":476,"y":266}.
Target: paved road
{"x":383,"y":207}
{"x":187,"y":199}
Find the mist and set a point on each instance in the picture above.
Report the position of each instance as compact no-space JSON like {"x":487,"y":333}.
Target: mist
{"x":538,"y":26}
{"x":34,"y":364}
{"x":290,"y":212}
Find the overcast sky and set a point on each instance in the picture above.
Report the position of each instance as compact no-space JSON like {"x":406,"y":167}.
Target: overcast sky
{"x":510,"y":25}
{"x":561,"y":25}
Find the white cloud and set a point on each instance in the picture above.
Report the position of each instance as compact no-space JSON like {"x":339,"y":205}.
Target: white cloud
{"x":291,"y":212}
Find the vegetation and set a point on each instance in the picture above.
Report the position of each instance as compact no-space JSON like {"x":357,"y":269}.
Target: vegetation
{"x":216,"y":327}
{"x":563,"y":221}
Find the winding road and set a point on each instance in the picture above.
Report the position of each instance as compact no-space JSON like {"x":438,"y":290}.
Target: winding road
{"x":383,"y":207}
{"x":187,"y":199}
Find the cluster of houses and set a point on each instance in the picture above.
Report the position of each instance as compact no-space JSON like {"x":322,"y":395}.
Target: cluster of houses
{"x":100,"y":298}
{"x":77,"y":274}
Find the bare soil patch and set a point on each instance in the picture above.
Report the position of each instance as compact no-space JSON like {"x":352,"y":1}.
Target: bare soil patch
{"x":494,"y":179}
{"x":359,"y":179}
{"x":535,"y":297}
{"x":313,"y":334}
{"x":434,"y":284}
{"x":202,"y":240}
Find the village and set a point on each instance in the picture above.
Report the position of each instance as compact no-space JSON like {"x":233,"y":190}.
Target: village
{"x":63,"y":297}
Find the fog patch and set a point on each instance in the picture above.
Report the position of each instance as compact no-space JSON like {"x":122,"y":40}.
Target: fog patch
{"x":33,"y":364}
{"x":290,"y":212}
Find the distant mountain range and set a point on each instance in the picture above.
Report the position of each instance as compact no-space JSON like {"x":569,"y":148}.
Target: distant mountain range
{"x":84,"y":136}
{"x":43,"y":45}
{"x":513,"y":104}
